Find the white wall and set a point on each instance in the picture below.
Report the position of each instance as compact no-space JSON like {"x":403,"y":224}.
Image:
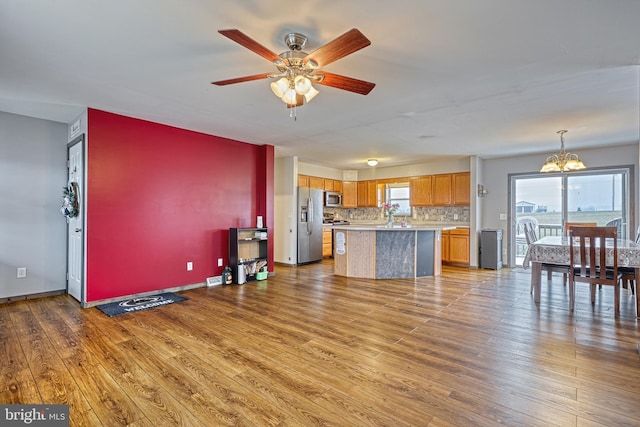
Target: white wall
{"x":33,"y":172}
{"x":495,"y":174}
{"x":429,"y":168}
{"x":285,"y":225}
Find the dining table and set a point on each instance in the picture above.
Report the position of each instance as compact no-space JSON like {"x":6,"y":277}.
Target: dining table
{"x":556,"y":250}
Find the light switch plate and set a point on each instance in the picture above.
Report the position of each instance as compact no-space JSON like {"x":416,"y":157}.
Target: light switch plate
{"x":503,"y":217}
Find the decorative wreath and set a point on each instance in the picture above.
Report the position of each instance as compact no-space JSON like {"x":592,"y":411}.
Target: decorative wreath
{"x":70,"y":206}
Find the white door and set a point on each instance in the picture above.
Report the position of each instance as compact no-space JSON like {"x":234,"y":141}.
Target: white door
{"x":75,"y":232}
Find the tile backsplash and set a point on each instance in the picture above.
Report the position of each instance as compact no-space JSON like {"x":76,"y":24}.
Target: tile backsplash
{"x":448,"y":214}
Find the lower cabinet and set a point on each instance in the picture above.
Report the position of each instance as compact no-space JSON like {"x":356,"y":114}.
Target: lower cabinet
{"x":327,"y":242}
{"x":455,"y":246}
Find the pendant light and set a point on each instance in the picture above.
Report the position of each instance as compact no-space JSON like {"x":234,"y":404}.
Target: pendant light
{"x":563,"y":161}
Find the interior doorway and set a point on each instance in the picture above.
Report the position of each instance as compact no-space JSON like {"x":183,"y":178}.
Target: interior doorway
{"x":75,"y":223}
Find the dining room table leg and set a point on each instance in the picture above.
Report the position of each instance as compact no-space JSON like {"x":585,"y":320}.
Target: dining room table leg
{"x":536,"y":272}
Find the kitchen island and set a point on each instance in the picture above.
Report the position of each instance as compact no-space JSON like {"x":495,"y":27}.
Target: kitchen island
{"x":378,"y":252}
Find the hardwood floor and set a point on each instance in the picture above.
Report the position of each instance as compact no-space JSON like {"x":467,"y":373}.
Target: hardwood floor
{"x":469,"y":348}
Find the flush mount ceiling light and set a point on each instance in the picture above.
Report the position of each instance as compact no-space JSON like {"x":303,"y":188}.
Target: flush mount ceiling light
{"x":298,"y":69}
{"x":563,"y":161}
{"x":372,"y":162}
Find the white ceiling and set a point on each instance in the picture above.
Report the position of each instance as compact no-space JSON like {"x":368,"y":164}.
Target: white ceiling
{"x":453,"y":77}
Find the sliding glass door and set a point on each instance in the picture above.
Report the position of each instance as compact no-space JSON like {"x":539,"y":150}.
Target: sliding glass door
{"x":548,"y":202}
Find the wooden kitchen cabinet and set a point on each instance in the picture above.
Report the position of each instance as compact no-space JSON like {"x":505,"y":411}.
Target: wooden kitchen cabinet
{"x":328,"y":184}
{"x":349,"y":194}
{"x":327,"y":242}
{"x":420,"y":191}
{"x":362,"y":194}
{"x":459,"y":246}
{"x":445,"y":245}
{"x":461,"y":188}
{"x":303,"y":181}
{"x":367,"y":194}
{"x":315,"y":182}
{"x":442,"y":190}
{"x":372,"y":194}
{"x":337,"y":186}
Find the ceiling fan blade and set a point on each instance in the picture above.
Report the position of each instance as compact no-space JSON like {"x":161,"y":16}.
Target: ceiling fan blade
{"x":241,"y":79}
{"x":246,"y":41}
{"x":345,"y":83}
{"x":351,"y":41}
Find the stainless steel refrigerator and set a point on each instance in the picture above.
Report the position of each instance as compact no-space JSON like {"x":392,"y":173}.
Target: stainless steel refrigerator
{"x":309,"y":225}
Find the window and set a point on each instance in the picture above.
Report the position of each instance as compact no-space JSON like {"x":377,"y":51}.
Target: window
{"x":598,"y":196}
{"x":399,"y":193}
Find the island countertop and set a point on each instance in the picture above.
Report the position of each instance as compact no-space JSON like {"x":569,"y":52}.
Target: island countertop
{"x":383,"y":227}
{"x":374,"y":251}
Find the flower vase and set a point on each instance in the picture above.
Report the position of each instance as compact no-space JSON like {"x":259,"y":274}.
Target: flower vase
{"x":390,"y":221}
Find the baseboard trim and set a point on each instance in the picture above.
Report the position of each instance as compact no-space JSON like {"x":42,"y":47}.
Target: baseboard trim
{"x":32,"y":296}
{"x":142,"y":294}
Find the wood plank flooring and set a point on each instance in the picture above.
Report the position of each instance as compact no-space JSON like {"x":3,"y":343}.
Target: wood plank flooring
{"x":469,"y":348}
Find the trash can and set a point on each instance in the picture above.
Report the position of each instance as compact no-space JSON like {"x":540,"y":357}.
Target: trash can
{"x":491,"y":248}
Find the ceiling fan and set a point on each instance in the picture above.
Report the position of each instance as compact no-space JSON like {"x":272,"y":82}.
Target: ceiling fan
{"x":298,"y":69}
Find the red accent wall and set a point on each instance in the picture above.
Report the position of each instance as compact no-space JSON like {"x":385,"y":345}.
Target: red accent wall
{"x":159,"y":196}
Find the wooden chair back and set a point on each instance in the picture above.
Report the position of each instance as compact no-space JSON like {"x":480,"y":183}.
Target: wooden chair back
{"x":568,"y":225}
{"x":588,"y":259}
{"x":530,"y":233}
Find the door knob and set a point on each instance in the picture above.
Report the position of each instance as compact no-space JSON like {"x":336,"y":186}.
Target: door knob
{"x":78,"y":230}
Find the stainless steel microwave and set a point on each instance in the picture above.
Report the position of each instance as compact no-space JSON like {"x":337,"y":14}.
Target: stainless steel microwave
{"x":333,"y":199}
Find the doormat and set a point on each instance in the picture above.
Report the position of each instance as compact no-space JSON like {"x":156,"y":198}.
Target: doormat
{"x":138,"y":304}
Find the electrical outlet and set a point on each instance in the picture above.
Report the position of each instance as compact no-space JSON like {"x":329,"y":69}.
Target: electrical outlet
{"x":455,"y":217}
{"x":219,"y":262}
{"x":21,"y":273}
{"x":189,"y":266}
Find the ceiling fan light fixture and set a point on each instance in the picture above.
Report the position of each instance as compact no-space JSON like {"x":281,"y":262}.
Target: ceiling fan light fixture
{"x":311,"y":93}
{"x":302,"y":84}
{"x":280,"y":86}
{"x":563,"y":161}
{"x":289,"y":97}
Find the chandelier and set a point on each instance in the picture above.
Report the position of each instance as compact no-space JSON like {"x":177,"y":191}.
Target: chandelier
{"x":562,"y":162}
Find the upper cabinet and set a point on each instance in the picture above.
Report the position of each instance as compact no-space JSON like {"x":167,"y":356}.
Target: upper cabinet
{"x":315,"y":182}
{"x":420,"y":191}
{"x":349,"y":194}
{"x":461,"y":188}
{"x":449,"y":189}
{"x":442,"y":190}
{"x":367,"y":194}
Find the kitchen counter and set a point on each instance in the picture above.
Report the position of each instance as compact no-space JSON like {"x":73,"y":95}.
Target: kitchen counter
{"x":374,"y":251}
{"x":396,"y":227}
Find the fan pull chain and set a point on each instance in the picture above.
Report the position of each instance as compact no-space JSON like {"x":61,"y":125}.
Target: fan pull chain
{"x":293,"y":113}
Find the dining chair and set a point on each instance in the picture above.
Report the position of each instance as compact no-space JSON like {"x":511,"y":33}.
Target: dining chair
{"x":531,"y":236}
{"x":616,"y":222}
{"x":568,"y":225}
{"x":588,"y":261}
{"x":523,"y":223}
{"x":628,"y":279}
